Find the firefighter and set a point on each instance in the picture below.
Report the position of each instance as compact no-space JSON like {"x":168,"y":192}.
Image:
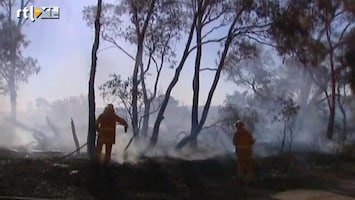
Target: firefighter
{"x":243,"y":141}
{"x":106,"y":126}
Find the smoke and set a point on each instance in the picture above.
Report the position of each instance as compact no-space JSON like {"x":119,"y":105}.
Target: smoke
{"x":48,"y":128}
{"x":265,"y":79}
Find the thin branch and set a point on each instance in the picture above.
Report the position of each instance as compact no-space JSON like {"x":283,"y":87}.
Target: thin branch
{"x":251,"y":85}
{"x":261,"y":42}
{"x":209,"y":9}
{"x":213,"y":125}
{"x":127,"y":107}
{"x":343,"y":32}
{"x":210,"y":20}
{"x":4,"y":73}
{"x":213,"y":29}
{"x":106,"y":48}
{"x":149,"y":62}
{"x":157,"y":77}
{"x":151,"y":112}
{"x":217,"y":40}
{"x":208,"y":69}
{"x":111,"y":40}
{"x":338,"y":14}
{"x":254,"y":26}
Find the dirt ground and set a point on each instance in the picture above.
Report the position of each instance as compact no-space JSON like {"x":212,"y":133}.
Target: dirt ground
{"x":303,"y":176}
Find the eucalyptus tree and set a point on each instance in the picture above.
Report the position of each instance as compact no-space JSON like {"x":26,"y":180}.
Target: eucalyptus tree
{"x":237,"y":22}
{"x":14,"y":66}
{"x":315,"y":32}
{"x":152,"y":27}
{"x":91,"y":137}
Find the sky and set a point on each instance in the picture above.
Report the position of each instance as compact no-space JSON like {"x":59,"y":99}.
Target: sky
{"x":63,"y":50}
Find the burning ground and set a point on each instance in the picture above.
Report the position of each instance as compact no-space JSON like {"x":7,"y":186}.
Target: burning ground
{"x":45,"y":175}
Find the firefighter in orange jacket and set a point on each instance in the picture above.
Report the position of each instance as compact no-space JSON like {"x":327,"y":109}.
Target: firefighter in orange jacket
{"x":106,"y":126}
{"x":243,"y":140}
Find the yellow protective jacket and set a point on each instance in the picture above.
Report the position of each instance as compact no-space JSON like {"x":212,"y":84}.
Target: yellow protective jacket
{"x":106,"y":124}
{"x":243,"y":138}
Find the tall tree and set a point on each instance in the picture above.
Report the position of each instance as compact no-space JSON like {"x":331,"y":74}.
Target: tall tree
{"x":350,"y":57}
{"x":152,"y":28}
{"x":314,"y":31}
{"x":175,"y":79}
{"x":14,"y":66}
{"x":91,"y":139}
{"x":245,"y":20}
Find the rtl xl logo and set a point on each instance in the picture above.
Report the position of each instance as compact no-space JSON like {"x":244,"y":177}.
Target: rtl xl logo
{"x":43,"y":12}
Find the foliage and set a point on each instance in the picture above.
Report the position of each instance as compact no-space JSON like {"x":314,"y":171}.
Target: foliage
{"x":230,"y":112}
{"x":162,"y":32}
{"x":350,"y":57}
{"x":286,"y":110}
{"x":120,"y":91}
{"x":15,"y":65}
{"x":315,"y":32}
{"x":250,"y":67}
{"x":153,"y":28}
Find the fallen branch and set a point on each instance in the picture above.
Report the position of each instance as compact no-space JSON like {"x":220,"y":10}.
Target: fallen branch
{"x":75,"y":137}
{"x":41,"y":138}
{"x":72,"y":153}
{"x":23,"y":126}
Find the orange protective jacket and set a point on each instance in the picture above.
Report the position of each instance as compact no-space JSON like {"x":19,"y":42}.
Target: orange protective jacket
{"x":243,"y":138}
{"x":106,"y":124}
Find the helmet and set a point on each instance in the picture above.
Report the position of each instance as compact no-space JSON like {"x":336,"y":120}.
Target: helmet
{"x":110,"y":108}
{"x":239,"y":123}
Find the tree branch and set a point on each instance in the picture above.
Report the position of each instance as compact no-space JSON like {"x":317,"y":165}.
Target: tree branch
{"x":208,"y":69}
{"x":111,"y":40}
{"x":217,"y":40}
{"x":212,"y":29}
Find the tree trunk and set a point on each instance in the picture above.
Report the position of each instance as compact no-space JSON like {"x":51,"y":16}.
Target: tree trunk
{"x":160,"y":115}
{"x":138,"y":62}
{"x":330,"y":129}
{"x":13,"y":97}
{"x":352,"y":78}
{"x":193,"y":137}
{"x":283,"y":138}
{"x":12,"y":80}
{"x":91,"y":139}
{"x":146,"y":117}
{"x":75,"y":137}
{"x":196,"y":81}
{"x":139,"y":56}
{"x":341,"y":107}
{"x":306,"y":89}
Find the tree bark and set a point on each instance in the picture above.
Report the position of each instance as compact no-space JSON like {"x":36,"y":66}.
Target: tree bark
{"x":343,"y":134}
{"x":75,"y":137}
{"x":196,"y":78}
{"x":139,"y":56}
{"x":193,"y":137}
{"x":160,"y":115}
{"x":91,"y":138}
{"x":146,"y":117}
{"x":13,"y":97}
{"x":138,"y":62}
{"x":330,"y":129}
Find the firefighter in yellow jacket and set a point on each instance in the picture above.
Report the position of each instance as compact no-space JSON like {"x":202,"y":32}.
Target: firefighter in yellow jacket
{"x":106,"y":126}
{"x":243,"y":140}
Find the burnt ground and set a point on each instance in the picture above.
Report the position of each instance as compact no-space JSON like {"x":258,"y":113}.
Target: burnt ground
{"x":167,"y":178}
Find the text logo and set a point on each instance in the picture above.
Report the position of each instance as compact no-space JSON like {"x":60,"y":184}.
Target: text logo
{"x":43,"y":12}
